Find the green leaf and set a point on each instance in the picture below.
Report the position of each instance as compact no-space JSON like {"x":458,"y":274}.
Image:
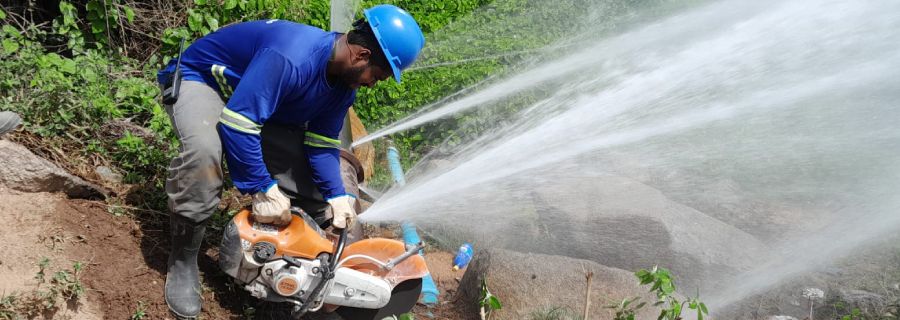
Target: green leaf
{"x":11,"y":31}
{"x":703,"y":308}
{"x":195,"y":21}
{"x":212,"y":22}
{"x":230,"y":4}
{"x":2,"y":14}
{"x":494,"y":302}
{"x":407,"y":316}
{"x":200,"y":2}
{"x":68,"y":66}
{"x":10,"y":46}
{"x":129,"y":14}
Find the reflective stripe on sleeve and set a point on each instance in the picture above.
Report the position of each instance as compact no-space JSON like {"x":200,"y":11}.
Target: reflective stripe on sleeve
{"x":238,"y":122}
{"x":317,"y":140}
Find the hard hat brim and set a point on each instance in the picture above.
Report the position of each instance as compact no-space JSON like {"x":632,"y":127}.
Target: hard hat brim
{"x":373,"y":23}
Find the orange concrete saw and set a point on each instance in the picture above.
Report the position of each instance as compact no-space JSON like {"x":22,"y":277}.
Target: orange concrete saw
{"x":368,"y":279}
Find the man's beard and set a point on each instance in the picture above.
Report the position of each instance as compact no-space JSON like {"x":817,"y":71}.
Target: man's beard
{"x":351,"y":76}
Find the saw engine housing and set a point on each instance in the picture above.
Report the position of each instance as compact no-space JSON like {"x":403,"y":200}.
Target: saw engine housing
{"x":287,"y":264}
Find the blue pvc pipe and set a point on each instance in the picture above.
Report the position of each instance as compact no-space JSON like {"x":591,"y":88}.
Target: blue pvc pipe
{"x":430,"y":292}
{"x":393,"y":157}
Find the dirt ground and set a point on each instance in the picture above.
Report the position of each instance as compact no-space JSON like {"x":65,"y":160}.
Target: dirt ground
{"x":124,"y":263}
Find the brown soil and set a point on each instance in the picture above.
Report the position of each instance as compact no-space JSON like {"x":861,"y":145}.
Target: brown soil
{"x":125,"y":261}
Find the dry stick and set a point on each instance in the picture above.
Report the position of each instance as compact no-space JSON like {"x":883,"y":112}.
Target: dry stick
{"x":589,"y":275}
{"x":810,"y":308}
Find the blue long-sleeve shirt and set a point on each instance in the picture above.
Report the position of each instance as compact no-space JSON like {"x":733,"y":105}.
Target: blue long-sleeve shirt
{"x":271,"y":72}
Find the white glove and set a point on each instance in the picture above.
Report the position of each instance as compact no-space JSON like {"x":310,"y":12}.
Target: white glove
{"x":271,"y":206}
{"x":342,"y":210}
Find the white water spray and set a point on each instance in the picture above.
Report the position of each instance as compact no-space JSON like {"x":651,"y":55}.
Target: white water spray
{"x":743,"y":128}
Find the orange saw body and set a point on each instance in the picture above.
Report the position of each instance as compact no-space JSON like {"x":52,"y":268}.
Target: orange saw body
{"x":368,"y":279}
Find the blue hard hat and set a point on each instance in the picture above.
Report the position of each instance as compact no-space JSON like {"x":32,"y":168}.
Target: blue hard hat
{"x":399,"y":35}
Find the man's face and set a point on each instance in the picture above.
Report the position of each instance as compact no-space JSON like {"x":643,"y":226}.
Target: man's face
{"x":364,"y":75}
{"x":361,"y":72}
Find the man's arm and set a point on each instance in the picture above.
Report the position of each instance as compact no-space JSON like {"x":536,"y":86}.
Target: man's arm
{"x":323,"y":150}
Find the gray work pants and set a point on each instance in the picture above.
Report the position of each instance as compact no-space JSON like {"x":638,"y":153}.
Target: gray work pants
{"x":195,"y":177}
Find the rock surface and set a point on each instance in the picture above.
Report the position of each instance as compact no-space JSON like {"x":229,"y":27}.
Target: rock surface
{"x":528,"y":283}
{"x":612,"y":220}
{"x":22,"y":170}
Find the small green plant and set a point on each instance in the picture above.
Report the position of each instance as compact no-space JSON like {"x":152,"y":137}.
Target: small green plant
{"x":8,"y":307}
{"x":488,"y":302}
{"x":42,"y":265}
{"x":140,"y":312}
{"x":855,"y":314}
{"x":627,"y":309}
{"x":664,"y":287}
{"x":405,"y":316}
{"x":65,"y":286}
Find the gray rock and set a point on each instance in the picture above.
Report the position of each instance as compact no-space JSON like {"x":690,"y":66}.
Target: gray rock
{"x":22,"y":170}
{"x":860,"y":297}
{"x":108,"y":174}
{"x":612,"y":220}
{"x":813,"y":293}
{"x":8,"y":121}
{"x":527,"y":283}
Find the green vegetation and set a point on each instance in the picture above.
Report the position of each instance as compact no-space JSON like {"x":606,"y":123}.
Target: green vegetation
{"x":487,"y":302}
{"x":82,"y":74}
{"x":627,"y":309}
{"x":47,"y":296}
{"x":140,"y":312}
{"x":663,"y":285}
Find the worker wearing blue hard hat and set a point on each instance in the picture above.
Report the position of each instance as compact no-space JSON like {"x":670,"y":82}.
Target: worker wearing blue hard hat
{"x":271,"y":96}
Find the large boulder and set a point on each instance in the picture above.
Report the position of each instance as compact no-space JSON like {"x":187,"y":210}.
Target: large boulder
{"x":612,"y":220}
{"x":529,"y":284}
{"x":22,"y":170}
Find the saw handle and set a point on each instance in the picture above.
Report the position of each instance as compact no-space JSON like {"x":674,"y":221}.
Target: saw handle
{"x":327,"y":272}
{"x":342,"y":242}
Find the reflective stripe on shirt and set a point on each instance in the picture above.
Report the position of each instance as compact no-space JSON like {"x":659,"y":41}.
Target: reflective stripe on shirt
{"x":218,"y":72}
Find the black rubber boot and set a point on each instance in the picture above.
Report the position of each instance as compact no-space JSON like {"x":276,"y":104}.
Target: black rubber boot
{"x":183,"y":277}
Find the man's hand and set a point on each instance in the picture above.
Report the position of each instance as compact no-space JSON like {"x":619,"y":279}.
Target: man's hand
{"x":271,"y":206}
{"x":342,"y":210}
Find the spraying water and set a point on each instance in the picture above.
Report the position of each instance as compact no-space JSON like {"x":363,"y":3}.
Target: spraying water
{"x":748,"y":139}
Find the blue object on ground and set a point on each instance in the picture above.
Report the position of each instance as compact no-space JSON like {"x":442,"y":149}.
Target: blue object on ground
{"x":430,"y":291}
{"x":463,"y":256}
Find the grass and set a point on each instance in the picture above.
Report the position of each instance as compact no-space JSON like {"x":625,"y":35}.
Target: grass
{"x":64,"y":287}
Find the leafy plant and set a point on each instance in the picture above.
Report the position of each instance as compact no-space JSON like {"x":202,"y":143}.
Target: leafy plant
{"x":627,"y":308}
{"x":488,"y":302}
{"x":405,"y":316}
{"x":664,"y":287}
{"x":140,"y":312}
{"x":64,"y":286}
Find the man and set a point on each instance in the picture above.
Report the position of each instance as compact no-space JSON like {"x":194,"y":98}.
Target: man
{"x":277,"y":93}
